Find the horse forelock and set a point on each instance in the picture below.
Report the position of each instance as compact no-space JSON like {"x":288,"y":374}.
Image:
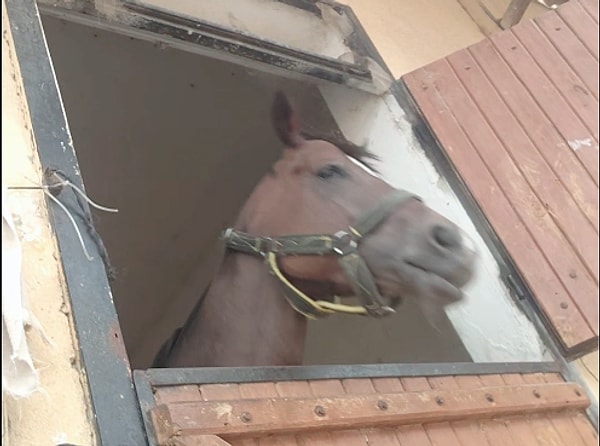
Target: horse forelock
{"x":356,"y":152}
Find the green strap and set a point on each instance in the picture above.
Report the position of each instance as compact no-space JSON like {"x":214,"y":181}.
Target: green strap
{"x":372,"y":218}
{"x":364,"y":284}
{"x":344,"y":245}
{"x":285,"y":245}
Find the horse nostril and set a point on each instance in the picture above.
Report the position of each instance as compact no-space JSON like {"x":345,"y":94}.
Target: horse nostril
{"x":446,"y":237}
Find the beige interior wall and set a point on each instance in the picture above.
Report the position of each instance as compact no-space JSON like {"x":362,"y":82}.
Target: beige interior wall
{"x":410,"y":34}
{"x":176,"y":141}
{"x":35,"y":421}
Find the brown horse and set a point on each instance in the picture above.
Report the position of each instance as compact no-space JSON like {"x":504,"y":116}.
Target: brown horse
{"x":318,"y":225}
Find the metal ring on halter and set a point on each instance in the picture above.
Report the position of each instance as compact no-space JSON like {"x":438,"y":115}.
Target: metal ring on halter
{"x":226,"y":234}
{"x":343,"y":243}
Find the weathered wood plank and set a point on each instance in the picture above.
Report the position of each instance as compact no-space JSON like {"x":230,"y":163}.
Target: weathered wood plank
{"x":252,"y":391}
{"x":177,"y":393}
{"x":585,"y":429}
{"x":211,"y":392}
{"x":561,"y":423}
{"x":413,"y":435}
{"x":204,"y":440}
{"x":591,"y":7}
{"x":358,"y":386}
{"x":225,"y":392}
{"x":516,"y":145}
{"x":415,"y":384}
{"x":495,"y":432}
{"x":567,"y":63}
{"x":555,"y":107}
{"x":288,"y":415}
{"x":518,"y":118}
{"x":582,"y":24}
{"x":580,"y":424}
{"x":518,"y":426}
{"x":291,"y":389}
{"x":406,"y":435}
{"x":381,"y":436}
{"x":531,"y":117}
{"x":335,"y":388}
{"x":437,"y":432}
{"x":467,"y":432}
{"x":327,"y":387}
{"x":540,"y":425}
{"x":576,"y":80}
{"x":387,"y":385}
{"x":570,"y":325}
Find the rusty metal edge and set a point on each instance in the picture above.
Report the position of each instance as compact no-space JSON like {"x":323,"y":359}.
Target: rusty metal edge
{"x":145,"y":395}
{"x":213,"y":375}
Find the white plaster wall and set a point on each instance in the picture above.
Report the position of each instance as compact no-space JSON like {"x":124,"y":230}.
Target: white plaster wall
{"x":489,"y":323}
{"x":270,"y":20}
{"x":35,"y":420}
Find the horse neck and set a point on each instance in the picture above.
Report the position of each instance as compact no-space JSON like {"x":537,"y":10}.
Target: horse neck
{"x":243,"y":320}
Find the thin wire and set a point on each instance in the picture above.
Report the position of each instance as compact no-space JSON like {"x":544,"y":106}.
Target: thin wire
{"x":66,"y":182}
{"x":64,"y":208}
{"x":54,"y":175}
{"x":52,"y":190}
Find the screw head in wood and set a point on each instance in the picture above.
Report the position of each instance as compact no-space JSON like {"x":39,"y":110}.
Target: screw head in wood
{"x":320,"y":411}
{"x":382,"y":405}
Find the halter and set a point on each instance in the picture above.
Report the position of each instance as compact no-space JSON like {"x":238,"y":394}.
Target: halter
{"x":343,"y":244}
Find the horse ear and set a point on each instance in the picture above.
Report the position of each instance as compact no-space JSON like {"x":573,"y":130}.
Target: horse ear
{"x":285,"y":121}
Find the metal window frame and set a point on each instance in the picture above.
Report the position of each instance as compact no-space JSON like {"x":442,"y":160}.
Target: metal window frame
{"x":117,"y":405}
{"x":166,"y":28}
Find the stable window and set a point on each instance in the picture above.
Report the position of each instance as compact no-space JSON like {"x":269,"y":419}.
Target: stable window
{"x":169,"y":113}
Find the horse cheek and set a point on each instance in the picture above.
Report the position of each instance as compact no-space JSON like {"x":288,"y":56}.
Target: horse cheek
{"x":311,"y":268}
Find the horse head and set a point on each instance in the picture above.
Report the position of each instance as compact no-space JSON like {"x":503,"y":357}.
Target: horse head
{"x":329,"y":226}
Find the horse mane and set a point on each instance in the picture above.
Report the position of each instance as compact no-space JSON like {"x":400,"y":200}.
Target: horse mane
{"x":357,"y":152}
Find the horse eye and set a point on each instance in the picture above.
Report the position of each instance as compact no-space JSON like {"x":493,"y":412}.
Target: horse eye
{"x":331,"y":171}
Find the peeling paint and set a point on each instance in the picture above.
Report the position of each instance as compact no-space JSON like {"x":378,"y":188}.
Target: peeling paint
{"x":223,"y":410}
{"x":577,"y":144}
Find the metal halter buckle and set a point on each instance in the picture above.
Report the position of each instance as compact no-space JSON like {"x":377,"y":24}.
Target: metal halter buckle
{"x":226,"y":234}
{"x":343,"y":243}
{"x":382,"y":311}
{"x":268,"y":244}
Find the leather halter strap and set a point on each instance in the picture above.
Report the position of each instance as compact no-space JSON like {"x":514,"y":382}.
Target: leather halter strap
{"x":343,"y":244}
